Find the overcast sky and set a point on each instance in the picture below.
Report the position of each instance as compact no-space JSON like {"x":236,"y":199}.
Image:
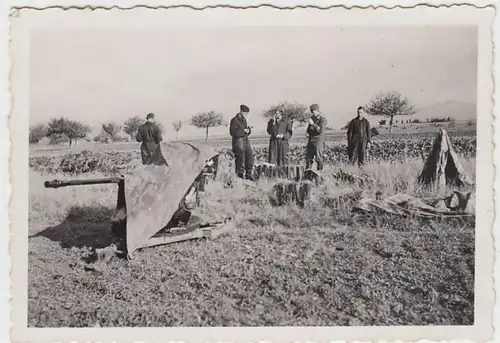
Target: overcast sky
{"x":104,"y":75}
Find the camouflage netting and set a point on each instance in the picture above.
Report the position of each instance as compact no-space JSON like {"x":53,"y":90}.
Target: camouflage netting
{"x":458,"y":204}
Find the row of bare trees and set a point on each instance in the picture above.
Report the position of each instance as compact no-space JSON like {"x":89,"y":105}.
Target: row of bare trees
{"x":65,"y":130}
{"x":387,"y":105}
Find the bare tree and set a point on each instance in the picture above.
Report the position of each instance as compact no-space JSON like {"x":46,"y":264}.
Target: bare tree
{"x":37,"y":132}
{"x":132,"y":125}
{"x":72,"y":129}
{"x":177,"y":127}
{"x":206,"y":120}
{"x":389,"y":105}
{"x":111,"y":129}
{"x":294,"y":111}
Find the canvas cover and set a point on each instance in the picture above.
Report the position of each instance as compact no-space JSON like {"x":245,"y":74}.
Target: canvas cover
{"x":443,"y":166}
{"x":154,"y":191}
{"x":457,"y":204}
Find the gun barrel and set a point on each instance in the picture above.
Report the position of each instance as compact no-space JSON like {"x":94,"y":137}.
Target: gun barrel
{"x":65,"y":183}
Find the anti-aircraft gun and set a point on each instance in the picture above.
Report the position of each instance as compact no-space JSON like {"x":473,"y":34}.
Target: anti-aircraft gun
{"x":155,"y":200}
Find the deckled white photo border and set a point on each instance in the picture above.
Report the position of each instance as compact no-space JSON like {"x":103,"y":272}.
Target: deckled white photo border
{"x":24,"y":20}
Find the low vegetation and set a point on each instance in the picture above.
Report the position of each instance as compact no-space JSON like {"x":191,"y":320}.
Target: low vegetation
{"x":382,"y":150}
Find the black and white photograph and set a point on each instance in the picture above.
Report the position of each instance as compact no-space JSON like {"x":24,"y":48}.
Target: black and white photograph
{"x":259,"y":169}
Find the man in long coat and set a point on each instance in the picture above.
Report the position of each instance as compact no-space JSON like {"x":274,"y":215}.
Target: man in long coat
{"x":280,"y":130}
{"x":316,"y":138}
{"x":242,"y":149}
{"x":358,"y":138}
{"x":150,"y":135}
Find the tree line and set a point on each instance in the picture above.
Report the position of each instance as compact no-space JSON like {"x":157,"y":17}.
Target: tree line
{"x":62,"y":129}
{"x":389,"y":105}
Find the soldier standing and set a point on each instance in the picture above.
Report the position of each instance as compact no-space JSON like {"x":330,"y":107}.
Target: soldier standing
{"x":280,"y":130}
{"x":242,"y":149}
{"x":358,"y":138}
{"x":316,"y":138}
{"x":150,"y":136}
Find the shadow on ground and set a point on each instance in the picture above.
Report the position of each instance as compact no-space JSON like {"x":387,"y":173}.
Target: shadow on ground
{"x":84,"y":226}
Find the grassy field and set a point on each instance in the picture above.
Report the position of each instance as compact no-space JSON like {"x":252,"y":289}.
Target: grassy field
{"x":317,"y":265}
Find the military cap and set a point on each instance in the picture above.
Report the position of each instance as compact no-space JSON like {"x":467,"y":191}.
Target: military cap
{"x":150,"y":116}
{"x":244,"y":108}
{"x":314,"y":107}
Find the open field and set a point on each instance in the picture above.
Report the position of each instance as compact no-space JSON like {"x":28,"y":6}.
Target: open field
{"x":113,"y":158}
{"x":317,"y":265}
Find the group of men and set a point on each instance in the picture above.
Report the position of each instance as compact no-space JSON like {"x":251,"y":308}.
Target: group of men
{"x":280,"y":130}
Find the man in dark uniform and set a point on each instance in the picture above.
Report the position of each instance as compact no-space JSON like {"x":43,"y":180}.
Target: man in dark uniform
{"x":280,"y":130}
{"x":150,"y":136}
{"x":243,"y":152}
{"x":316,"y":138}
{"x":358,"y":138}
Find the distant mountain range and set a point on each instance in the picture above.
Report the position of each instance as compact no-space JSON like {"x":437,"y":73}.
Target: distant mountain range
{"x":455,"y":109}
